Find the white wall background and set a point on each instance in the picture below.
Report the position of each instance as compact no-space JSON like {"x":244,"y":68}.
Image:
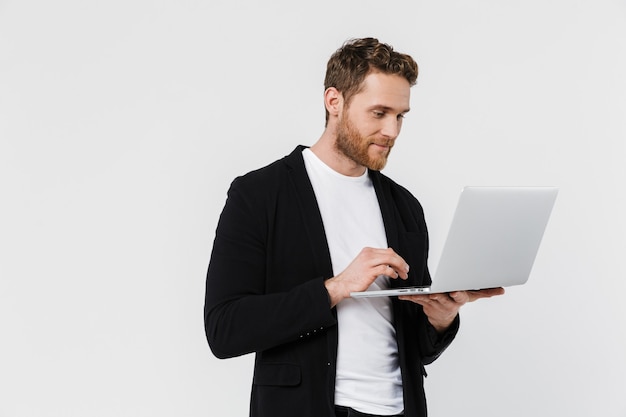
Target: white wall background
{"x":122,"y":124}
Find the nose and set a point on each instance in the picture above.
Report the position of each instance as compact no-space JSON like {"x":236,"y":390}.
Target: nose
{"x":391,"y":127}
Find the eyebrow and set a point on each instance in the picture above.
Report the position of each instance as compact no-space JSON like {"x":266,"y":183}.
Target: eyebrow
{"x":388,"y":109}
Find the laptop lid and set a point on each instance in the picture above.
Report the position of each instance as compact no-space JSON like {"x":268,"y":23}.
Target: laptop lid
{"x":493,"y":240}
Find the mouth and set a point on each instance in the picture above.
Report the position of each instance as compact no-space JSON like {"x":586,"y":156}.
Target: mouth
{"x":386,"y":146}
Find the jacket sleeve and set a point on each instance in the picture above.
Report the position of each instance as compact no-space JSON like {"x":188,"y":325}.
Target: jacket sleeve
{"x":434,"y":343}
{"x":241,"y":315}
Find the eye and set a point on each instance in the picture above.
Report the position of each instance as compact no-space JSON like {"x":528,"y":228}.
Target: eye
{"x":401,"y":116}
{"x":378,"y":114}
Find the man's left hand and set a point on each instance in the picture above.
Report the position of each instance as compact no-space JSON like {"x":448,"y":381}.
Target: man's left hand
{"x":441,"y":309}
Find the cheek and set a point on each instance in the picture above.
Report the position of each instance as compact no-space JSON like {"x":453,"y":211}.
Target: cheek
{"x":370,"y":130}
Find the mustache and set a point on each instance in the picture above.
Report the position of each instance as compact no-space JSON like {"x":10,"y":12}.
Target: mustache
{"x":383,"y":142}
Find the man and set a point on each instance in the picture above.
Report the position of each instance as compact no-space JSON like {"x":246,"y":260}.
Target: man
{"x":296,"y":237}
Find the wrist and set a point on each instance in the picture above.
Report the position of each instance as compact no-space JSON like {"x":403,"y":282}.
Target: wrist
{"x":441,"y":326}
{"x":335,"y":291}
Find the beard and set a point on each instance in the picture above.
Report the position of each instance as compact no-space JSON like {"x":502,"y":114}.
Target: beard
{"x":354,"y":146}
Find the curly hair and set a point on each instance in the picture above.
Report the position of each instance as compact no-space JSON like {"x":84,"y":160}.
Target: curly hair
{"x":350,"y":64}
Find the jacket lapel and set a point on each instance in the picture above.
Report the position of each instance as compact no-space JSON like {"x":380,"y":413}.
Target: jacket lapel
{"x":307,"y":206}
{"x":385,"y":201}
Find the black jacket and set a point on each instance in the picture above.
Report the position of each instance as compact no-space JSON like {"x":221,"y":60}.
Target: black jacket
{"x":265,"y":290}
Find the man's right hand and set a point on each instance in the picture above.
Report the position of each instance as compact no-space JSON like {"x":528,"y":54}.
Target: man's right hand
{"x":369,"y":264}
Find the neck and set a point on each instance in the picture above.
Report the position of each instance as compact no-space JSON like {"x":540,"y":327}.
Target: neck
{"x":325,"y":150}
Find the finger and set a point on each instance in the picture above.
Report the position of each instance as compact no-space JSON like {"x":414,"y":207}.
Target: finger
{"x":419,"y":299}
{"x":386,"y":270}
{"x":443,"y":300}
{"x":388,"y":258}
{"x":398,"y":264}
{"x":486,"y":293}
{"x":460,"y":297}
{"x":394,"y":273}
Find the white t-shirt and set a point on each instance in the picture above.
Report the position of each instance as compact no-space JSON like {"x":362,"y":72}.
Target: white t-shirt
{"x":368,"y":371}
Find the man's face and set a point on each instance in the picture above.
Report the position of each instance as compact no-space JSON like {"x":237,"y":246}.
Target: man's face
{"x":369,"y":124}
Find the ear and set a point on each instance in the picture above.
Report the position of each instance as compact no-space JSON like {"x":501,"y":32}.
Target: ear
{"x":333,"y":100}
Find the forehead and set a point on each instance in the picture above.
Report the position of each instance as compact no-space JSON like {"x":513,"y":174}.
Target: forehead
{"x":388,"y":90}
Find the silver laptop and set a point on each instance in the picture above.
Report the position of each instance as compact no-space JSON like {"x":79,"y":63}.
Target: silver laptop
{"x":493,"y":240}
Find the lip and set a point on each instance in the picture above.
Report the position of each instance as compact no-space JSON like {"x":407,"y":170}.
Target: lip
{"x":381,"y":146}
